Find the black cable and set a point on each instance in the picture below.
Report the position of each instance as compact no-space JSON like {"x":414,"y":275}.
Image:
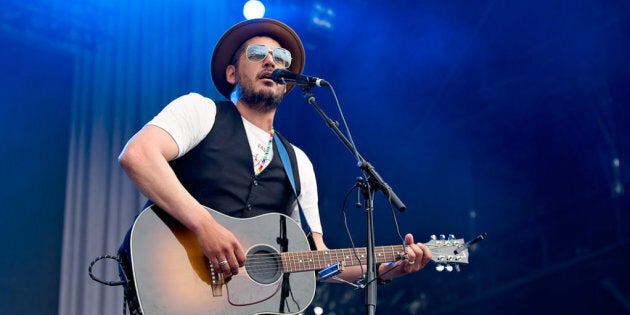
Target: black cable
{"x":382,"y":274}
{"x":392,"y":208}
{"x":345,"y":222}
{"x":109,"y":283}
{"x":343,"y":119}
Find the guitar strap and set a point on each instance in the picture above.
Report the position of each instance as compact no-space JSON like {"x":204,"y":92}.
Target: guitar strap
{"x":286,"y":162}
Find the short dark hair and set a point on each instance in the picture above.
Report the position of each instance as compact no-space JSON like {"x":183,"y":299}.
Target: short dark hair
{"x":238,"y":53}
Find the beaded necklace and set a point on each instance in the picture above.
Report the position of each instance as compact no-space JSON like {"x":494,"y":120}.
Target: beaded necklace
{"x":261,"y":164}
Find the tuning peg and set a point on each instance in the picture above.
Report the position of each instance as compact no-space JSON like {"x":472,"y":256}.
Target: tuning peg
{"x":449,"y":268}
{"x":442,"y":237}
{"x":451,"y":237}
{"x":457,"y":268}
{"x":439,"y":267}
{"x":433,"y":237}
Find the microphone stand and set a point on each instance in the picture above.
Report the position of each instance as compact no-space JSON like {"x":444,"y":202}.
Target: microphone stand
{"x":374,"y":182}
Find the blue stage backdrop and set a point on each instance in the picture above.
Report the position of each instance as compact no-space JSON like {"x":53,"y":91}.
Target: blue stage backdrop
{"x":509,"y":118}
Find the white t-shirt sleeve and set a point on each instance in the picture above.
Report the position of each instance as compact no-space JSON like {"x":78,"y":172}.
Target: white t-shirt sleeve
{"x":308,"y":192}
{"x":188,"y":119}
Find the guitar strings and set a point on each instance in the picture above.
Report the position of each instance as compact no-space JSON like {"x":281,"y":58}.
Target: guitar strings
{"x":312,"y":260}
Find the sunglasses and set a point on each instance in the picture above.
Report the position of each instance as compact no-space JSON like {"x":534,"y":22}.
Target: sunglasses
{"x":258,"y":53}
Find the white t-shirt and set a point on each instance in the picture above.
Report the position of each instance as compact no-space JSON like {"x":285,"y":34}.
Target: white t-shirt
{"x":189,"y":119}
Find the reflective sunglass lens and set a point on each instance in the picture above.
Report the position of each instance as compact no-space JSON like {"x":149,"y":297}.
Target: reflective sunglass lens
{"x":258,"y":53}
{"x":282,"y":57}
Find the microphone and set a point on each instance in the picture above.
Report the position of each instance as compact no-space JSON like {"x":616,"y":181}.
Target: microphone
{"x":283,"y":77}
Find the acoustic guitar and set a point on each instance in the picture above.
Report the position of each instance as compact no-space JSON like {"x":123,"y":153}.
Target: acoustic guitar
{"x":172,"y":275}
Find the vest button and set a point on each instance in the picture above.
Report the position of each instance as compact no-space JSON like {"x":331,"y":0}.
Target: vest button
{"x":255,"y":182}
{"x":249,"y":207}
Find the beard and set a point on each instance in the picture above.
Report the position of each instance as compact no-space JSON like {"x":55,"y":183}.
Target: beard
{"x":262,"y":101}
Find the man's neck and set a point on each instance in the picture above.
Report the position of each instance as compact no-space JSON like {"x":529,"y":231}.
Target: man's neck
{"x":262,"y":120}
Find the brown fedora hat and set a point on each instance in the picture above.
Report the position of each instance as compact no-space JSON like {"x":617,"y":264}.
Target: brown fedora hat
{"x":233,"y":38}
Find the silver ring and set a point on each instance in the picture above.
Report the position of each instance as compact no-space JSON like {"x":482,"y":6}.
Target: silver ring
{"x":411,"y":262}
{"x":223,"y":262}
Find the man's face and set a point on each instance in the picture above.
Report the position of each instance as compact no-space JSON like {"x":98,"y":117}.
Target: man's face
{"x":254,"y":85}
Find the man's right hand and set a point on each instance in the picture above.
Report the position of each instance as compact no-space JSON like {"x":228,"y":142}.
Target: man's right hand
{"x":221,"y":247}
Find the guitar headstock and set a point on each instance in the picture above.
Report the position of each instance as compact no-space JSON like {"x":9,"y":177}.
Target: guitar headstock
{"x":448,"y":252}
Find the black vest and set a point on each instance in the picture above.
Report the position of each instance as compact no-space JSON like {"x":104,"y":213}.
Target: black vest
{"x":219,"y":171}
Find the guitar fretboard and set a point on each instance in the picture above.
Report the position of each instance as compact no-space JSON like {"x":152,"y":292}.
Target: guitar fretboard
{"x":315,"y":260}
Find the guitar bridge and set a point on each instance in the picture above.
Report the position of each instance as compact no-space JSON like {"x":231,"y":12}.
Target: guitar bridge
{"x":217,"y":282}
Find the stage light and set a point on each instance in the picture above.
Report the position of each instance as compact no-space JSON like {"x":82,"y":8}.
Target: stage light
{"x":253,"y":9}
{"x":322,"y":17}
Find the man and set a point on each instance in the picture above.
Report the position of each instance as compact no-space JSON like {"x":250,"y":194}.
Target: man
{"x":198,"y":152}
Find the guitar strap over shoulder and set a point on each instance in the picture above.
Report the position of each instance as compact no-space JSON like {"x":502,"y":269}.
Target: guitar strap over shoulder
{"x":284,"y":156}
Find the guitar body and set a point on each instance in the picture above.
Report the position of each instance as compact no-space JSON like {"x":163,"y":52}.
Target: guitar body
{"x":172,"y":275}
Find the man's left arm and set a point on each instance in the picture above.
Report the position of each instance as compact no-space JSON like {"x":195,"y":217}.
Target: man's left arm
{"x":419,"y":256}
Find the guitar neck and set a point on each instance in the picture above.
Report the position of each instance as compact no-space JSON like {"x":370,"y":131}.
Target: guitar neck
{"x":316,"y":260}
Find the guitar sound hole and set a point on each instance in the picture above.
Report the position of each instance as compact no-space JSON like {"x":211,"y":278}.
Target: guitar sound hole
{"x":263,"y":264}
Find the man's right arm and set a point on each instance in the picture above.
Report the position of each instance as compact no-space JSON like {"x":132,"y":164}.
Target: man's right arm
{"x":145,"y":160}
